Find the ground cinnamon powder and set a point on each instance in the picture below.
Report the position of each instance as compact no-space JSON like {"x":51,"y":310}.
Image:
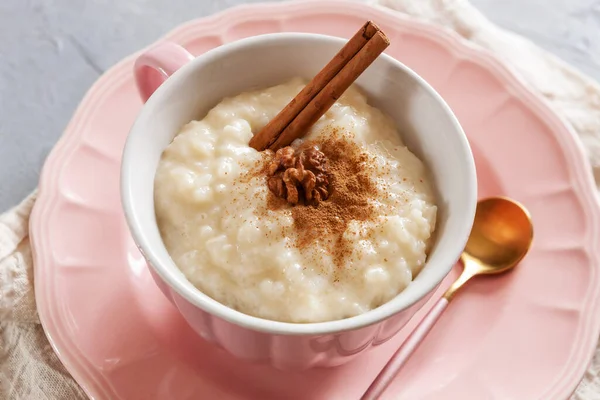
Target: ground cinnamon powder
{"x":351,"y":187}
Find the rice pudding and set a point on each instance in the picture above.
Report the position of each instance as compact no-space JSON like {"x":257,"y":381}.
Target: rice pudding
{"x":237,"y":234}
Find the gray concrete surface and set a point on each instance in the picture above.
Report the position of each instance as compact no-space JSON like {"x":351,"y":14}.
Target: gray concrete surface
{"x":51,"y":51}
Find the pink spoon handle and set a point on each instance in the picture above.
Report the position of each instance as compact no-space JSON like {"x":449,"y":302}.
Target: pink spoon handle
{"x":155,"y":65}
{"x":391,"y":369}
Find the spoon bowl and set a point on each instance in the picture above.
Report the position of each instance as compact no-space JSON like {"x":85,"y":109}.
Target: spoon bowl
{"x":502,"y":234}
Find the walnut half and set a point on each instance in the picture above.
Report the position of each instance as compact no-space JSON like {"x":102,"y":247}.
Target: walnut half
{"x":299,"y":174}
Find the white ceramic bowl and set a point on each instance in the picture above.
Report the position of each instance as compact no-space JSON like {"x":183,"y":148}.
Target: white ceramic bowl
{"x":429,"y":129}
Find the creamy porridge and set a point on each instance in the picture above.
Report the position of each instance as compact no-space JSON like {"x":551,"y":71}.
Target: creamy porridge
{"x":230,"y":234}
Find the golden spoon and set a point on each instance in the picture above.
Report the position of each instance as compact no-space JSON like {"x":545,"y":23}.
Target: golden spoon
{"x":501,"y":236}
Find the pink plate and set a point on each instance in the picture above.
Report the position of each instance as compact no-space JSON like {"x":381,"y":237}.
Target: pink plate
{"x":526,"y":335}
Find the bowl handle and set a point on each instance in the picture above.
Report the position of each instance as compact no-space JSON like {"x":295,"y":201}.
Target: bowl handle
{"x":156,"y":64}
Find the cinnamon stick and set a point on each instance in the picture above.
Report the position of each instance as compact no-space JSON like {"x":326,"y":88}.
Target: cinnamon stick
{"x":323,"y":90}
{"x":332,"y":91}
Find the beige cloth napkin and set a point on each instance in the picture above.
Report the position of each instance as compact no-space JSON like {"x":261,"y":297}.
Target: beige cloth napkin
{"x":29,"y":370}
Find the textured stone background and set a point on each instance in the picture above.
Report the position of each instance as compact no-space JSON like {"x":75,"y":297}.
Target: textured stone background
{"x":51,"y":51}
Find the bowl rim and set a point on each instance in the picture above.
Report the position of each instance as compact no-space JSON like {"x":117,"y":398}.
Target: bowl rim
{"x":168,"y":272}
